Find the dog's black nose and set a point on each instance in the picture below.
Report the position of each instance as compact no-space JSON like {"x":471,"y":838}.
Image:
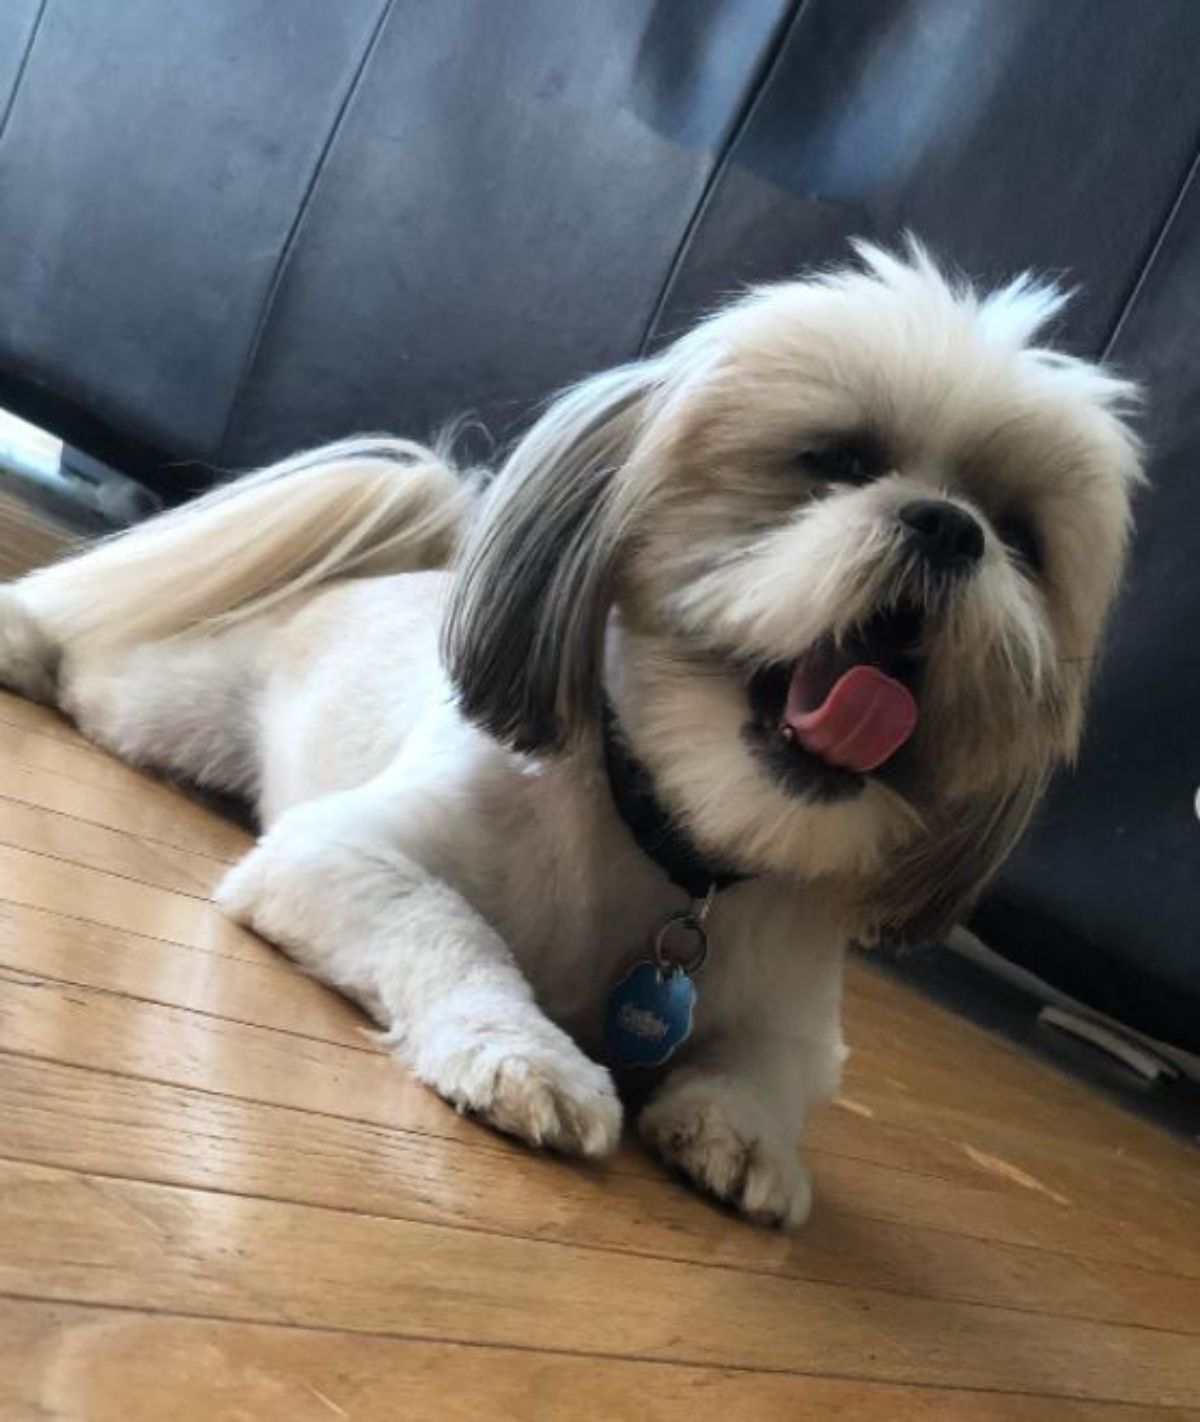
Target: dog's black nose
{"x":946,"y":536}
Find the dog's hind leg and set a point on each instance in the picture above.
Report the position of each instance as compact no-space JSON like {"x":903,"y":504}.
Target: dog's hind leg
{"x":186,"y":706}
{"x":138,"y":635}
{"x":29,"y":655}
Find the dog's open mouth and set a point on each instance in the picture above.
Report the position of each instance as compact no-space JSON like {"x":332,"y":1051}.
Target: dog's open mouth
{"x":845,"y":707}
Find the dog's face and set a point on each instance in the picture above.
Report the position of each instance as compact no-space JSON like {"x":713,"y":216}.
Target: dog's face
{"x":860,"y":538}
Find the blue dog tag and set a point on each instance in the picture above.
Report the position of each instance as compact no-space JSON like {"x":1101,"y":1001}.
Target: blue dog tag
{"x":649,"y":1015}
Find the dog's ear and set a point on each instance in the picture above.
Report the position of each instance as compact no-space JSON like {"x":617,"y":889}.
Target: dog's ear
{"x":524,"y":633}
{"x":928,"y":888}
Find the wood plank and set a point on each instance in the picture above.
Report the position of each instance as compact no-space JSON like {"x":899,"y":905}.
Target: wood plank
{"x":102,"y":1124}
{"x":270,"y":993}
{"x":1037,"y":1123}
{"x":103,"y":1241}
{"x":79,"y":1364}
{"x":81,"y":1026}
{"x":849,"y":1129}
{"x":881,"y":1193}
{"x":55,"y":750}
{"x":937,"y":1071}
{"x":978,"y":1148}
{"x":29,"y":536}
{"x":165,"y":817}
{"x":59,"y":836}
{"x":77,"y":760}
{"x":32,"y":716}
{"x":1151,"y":1209}
{"x":98,"y":897}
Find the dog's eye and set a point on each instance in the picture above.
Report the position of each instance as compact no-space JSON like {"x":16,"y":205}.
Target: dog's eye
{"x":854,"y":460}
{"x":1021,"y":541}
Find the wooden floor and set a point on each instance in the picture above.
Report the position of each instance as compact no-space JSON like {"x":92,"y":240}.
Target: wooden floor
{"x":219,"y":1200}
{"x":28,"y":536}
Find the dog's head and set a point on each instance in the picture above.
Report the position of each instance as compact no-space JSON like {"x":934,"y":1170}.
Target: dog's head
{"x":859,"y":536}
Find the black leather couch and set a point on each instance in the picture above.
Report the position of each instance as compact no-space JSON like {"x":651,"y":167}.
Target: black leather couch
{"x":233,"y":228}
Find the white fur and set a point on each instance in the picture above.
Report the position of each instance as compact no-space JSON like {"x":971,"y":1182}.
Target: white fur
{"x":279,"y":640}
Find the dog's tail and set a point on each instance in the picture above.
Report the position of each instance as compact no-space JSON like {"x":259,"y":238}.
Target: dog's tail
{"x":363,"y":507}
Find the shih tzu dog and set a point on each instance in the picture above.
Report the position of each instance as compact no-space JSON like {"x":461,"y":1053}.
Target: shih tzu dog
{"x":759,"y":646}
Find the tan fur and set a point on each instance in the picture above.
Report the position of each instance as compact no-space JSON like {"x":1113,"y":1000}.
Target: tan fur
{"x":355,"y":508}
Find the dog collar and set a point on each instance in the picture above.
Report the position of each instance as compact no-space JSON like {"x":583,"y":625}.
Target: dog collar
{"x":649,"y":1012}
{"x":658,"y":835}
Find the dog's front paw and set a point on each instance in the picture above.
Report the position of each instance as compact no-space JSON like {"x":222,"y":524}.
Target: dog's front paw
{"x":532,"y":1082}
{"x":716,"y":1134}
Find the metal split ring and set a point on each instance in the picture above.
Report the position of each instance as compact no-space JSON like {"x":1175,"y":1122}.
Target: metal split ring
{"x":681,"y":943}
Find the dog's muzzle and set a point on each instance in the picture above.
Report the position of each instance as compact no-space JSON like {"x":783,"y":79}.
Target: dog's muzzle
{"x":842,"y":710}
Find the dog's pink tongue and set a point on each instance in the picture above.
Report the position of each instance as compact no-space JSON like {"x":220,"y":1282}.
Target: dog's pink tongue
{"x":864,"y":720}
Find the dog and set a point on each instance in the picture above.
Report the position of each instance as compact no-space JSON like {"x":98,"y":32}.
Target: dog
{"x":754,"y":648}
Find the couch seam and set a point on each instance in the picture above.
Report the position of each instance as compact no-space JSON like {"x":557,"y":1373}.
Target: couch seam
{"x":19,"y":76}
{"x":1155,"y":247}
{"x":759,"y":85}
{"x":289,"y":242}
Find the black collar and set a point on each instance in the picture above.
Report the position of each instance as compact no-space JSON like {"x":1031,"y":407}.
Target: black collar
{"x":657,"y":834}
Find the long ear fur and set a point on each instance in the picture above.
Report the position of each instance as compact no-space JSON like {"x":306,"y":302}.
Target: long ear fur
{"x":524,"y":632}
{"x":930,"y":887}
